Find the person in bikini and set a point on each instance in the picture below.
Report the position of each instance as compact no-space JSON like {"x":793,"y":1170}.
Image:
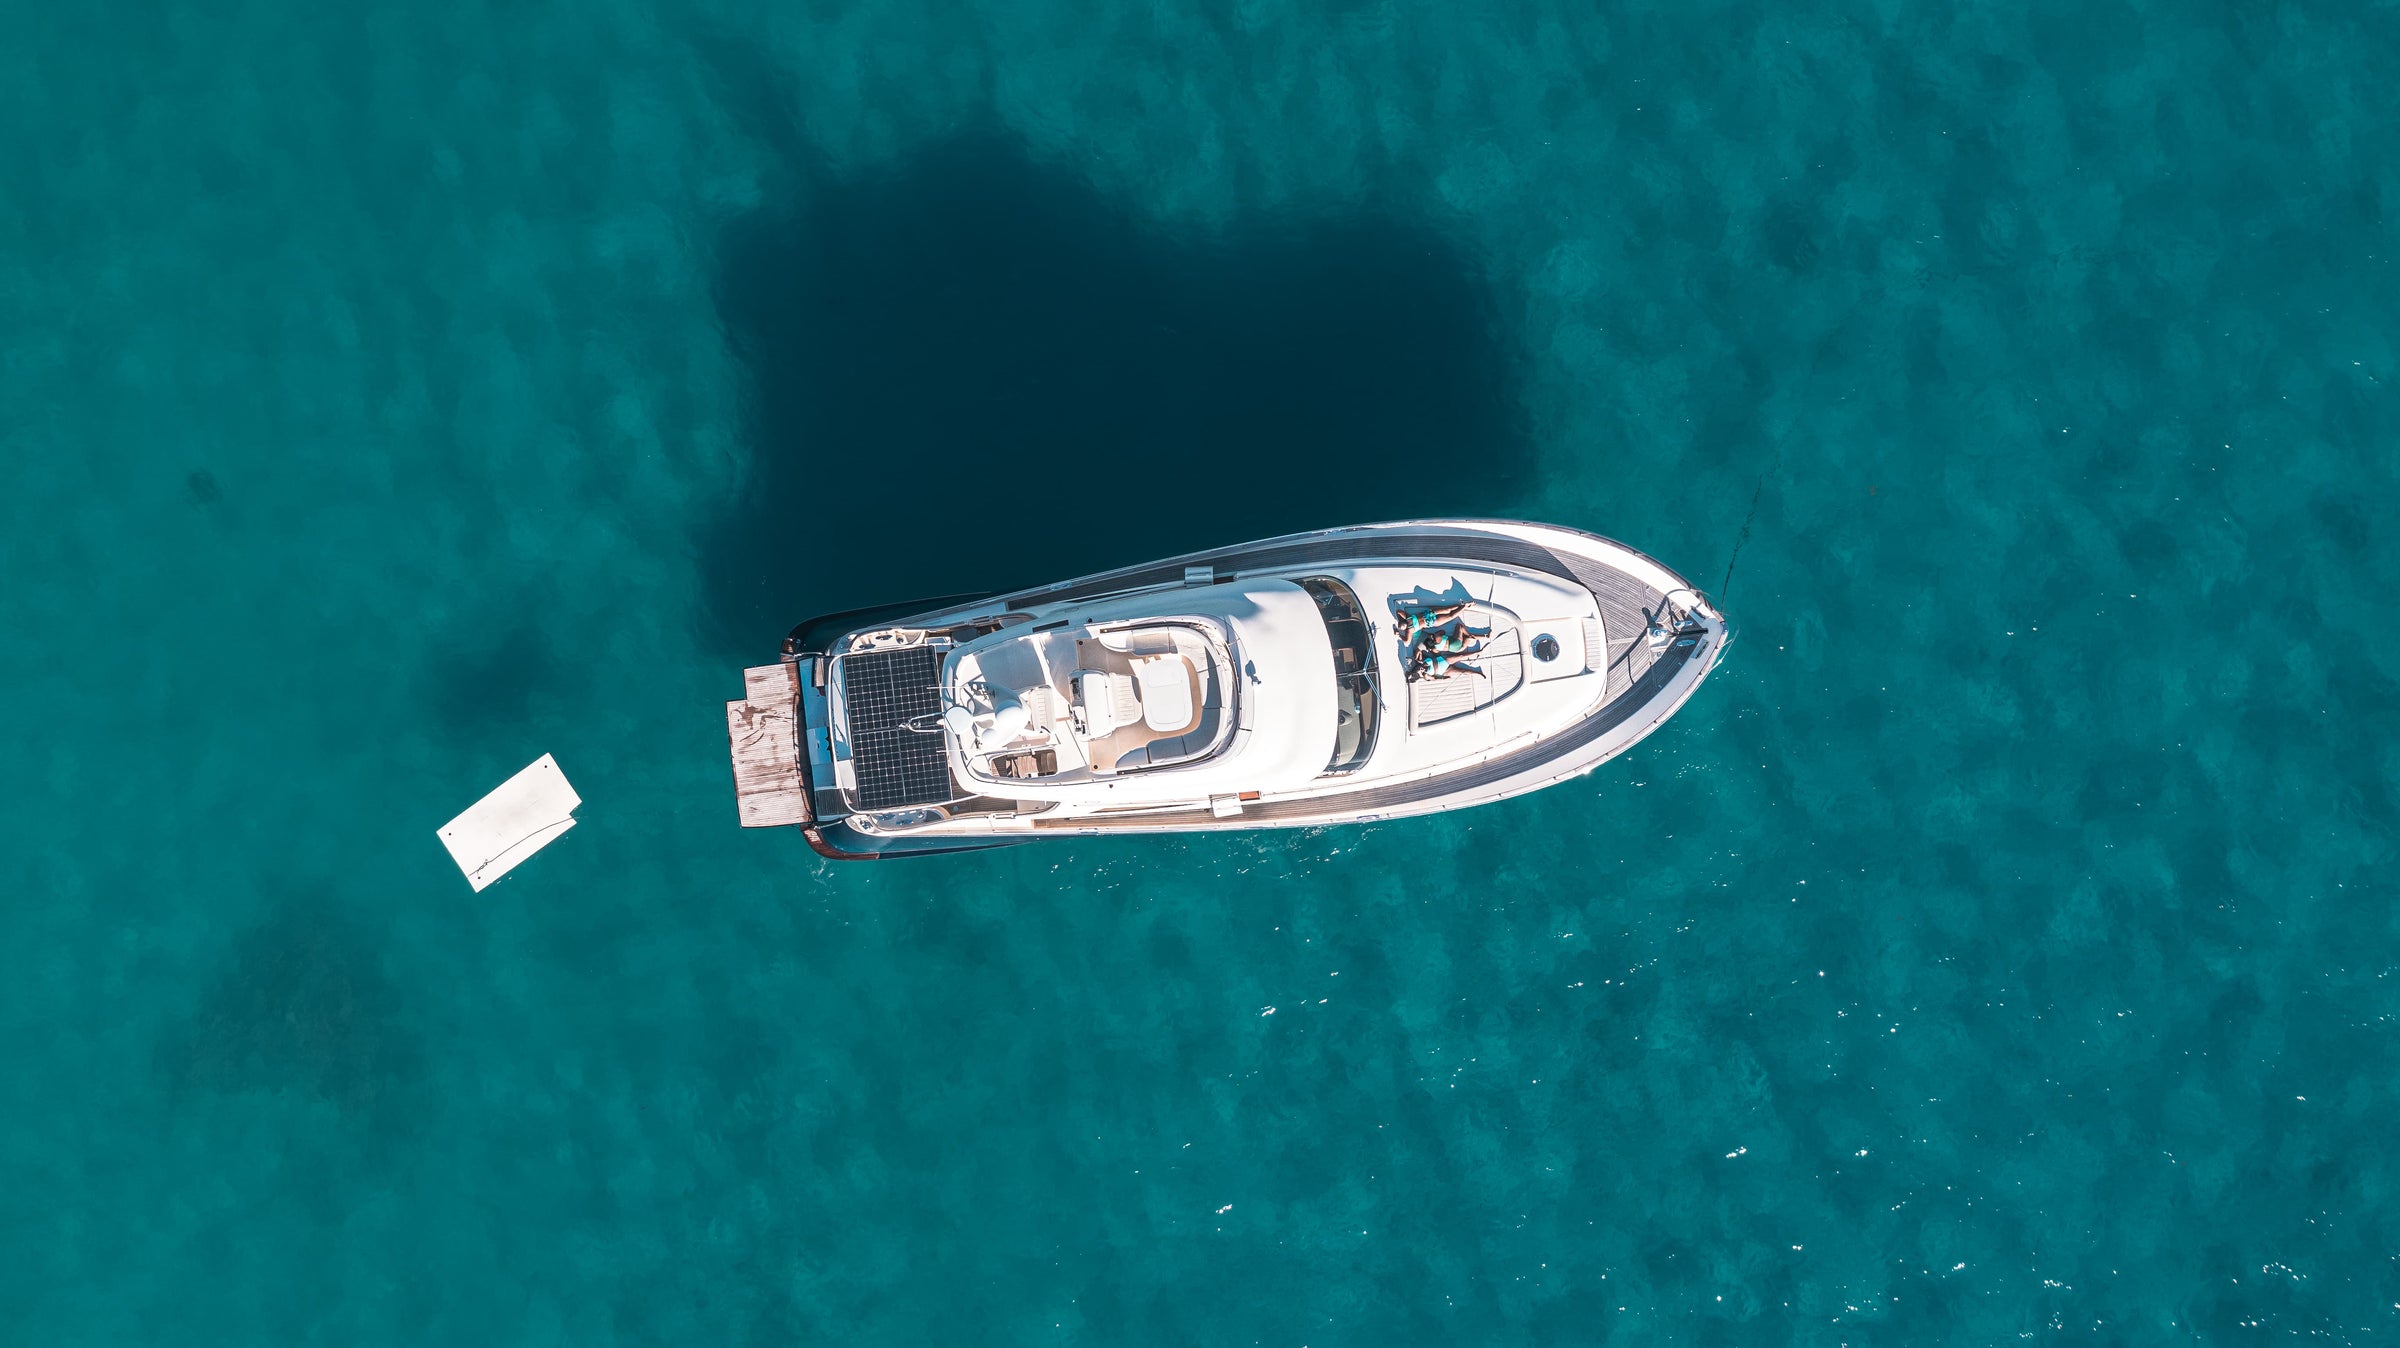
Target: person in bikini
{"x":1451,"y":638}
{"x":1438,"y":639}
{"x":1443,"y":664}
{"x":1415,"y":622}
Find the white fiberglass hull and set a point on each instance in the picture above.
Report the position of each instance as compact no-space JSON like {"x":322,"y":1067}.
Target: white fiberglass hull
{"x":1585,"y":646}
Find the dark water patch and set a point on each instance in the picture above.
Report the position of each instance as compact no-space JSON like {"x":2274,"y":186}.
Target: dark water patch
{"x":485,"y":679}
{"x":201,"y":485}
{"x":303,"y":1006}
{"x":1792,"y":234}
{"x":2340,"y":522}
{"x":938,"y":929}
{"x":2149,"y":547}
{"x":972,"y":370}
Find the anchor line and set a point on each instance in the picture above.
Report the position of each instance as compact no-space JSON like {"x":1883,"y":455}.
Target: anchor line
{"x":1747,"y":520}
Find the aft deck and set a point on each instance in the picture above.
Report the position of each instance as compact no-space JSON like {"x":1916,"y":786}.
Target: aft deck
{"x":1102,"y":704}
{"x":891,"y":701}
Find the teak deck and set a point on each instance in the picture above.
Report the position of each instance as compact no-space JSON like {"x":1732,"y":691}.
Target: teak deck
{"x":763,"y":731}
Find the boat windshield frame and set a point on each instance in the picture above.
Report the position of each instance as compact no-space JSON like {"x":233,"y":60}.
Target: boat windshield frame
{"x":1359,"y":696}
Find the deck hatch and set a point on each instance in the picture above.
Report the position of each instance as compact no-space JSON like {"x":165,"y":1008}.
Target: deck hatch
{"x":881,"y":692}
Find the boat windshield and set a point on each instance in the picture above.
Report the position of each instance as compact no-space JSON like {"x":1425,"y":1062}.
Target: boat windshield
{"x":1353,"y":671}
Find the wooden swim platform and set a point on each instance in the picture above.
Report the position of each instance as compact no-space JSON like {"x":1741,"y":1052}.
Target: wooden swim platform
{"x":763,"y":733}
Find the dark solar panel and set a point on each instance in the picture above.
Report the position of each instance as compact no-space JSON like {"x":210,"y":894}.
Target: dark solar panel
{"x":895,"y":766}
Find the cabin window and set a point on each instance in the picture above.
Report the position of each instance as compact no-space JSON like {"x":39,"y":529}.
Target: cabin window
{"x":1353,"y":671}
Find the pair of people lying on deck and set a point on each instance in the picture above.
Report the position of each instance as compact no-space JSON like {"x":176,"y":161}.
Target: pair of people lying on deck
{"x":1438,"y":640}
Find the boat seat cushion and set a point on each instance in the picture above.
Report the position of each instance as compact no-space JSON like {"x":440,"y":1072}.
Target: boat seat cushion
{"x":1109,"y":701}
{"x":1167,"y":687}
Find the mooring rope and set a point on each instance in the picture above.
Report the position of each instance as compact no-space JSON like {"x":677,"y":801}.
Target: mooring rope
{"x":1747,"y":520}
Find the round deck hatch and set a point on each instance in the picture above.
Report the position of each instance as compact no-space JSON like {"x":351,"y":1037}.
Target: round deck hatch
{"x":1545,"y":647}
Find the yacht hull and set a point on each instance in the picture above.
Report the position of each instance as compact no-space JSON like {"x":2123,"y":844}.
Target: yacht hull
{"x":1647,"y":641}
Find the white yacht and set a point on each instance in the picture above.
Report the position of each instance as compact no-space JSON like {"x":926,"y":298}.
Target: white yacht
{"x":1334,"y":677}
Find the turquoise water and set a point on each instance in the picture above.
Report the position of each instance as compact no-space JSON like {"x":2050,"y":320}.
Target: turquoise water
{"x":1999,"y":946}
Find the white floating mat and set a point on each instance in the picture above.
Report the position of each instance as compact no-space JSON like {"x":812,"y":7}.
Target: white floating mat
{"x":522,"y":816}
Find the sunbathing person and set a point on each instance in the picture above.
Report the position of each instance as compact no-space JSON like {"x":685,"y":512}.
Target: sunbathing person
{"x":1439,"y":660}
{"x":1452,"y":637}
{"x":1442,"y":664}
{"x":1415,"y":621}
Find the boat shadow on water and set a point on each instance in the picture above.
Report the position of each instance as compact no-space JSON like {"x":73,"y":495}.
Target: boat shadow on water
{"x":970,"y":370}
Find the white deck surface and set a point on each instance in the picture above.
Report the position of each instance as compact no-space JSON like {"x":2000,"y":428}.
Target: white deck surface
{"x":520,"y":817}
{"x":1541,"y":721}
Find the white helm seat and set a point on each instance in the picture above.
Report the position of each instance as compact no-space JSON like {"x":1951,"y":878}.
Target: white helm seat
{"x":1109,"y":701}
